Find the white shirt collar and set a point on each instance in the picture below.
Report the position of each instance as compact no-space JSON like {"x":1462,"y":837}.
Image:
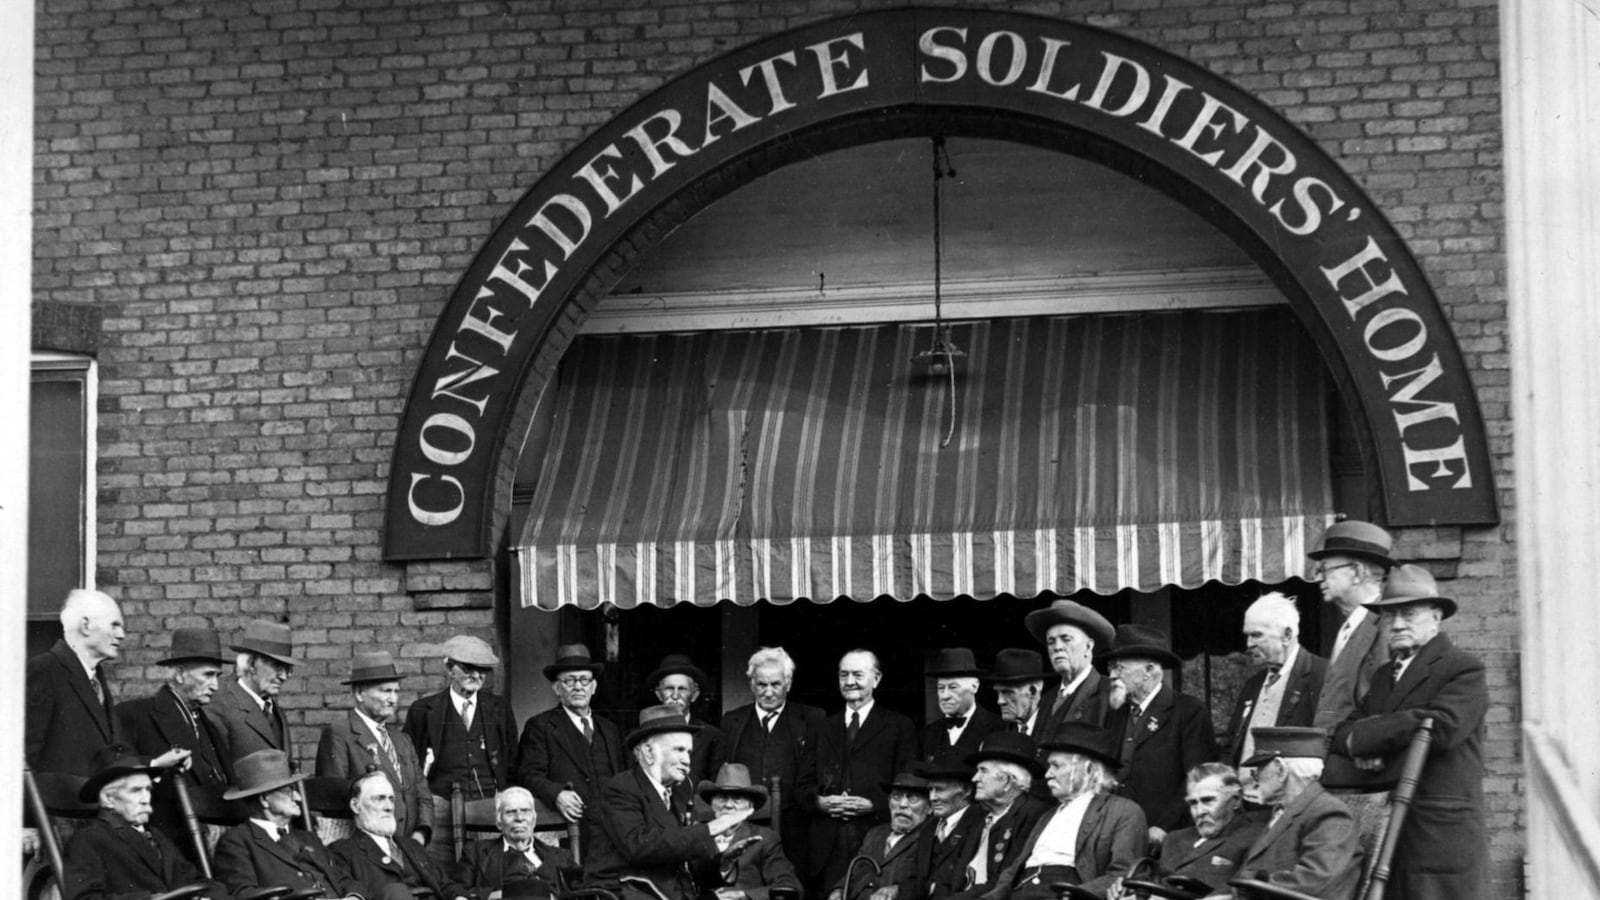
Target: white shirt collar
{"x":1082,"y":676}
{"x":460,"y":702}
{"x":577,"y":720}
{"x":861,"y":711}
{"x":267,"y":825}
{"x":260,"y":702}
{"x":371,"y":723}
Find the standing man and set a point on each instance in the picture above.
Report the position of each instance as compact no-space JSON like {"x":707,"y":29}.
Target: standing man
{"x":69,"y":715}
{"x":367,"y":740}
{"x":1285,"y":691}
{"x":1018,"y":679}
{"x":950,"y":836}
{"x":1072,"y":634}
{"x":964,"y":723}
{"x":1311,"y":843}
{"x":1443,"y":848}
{"x":891,"y":847}
{"x":774,"y":739}
{"x":245,"y":712}
{"x":1007,"y":765}
{"x":1161,"y":733}
{"x":383,"y":861}
{"x":1350,"y":566}
{"x":677,"y":682}
{"x":266,"y":850}
{"x":859,"y":750}
{"x":567,"y":753}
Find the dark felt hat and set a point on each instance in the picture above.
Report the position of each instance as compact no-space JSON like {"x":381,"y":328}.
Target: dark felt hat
{"x":368,"y":668}
{"x":1069,"y":612}
{"x":1362,"y":540}
{"x":1084,"y":740}
{"x":1016,"y":666}
{"x":1142,"y":642}
{"x":572,"y":658}
{"x":1409,"y":584}
{"x":269,"y":639}
{"x":194,"y":645}
{"x":948,"y":766}
{"x":677,"y":664}
{"x":733,"y":778}
{"x":1009,"y":746}
{"x":954,"y":662}
{"x":661,"y":719}
{"x":110,"y":763}
{"x":1285,"y":741}
{"x":908,"y":780}
{"x":260,"y":772}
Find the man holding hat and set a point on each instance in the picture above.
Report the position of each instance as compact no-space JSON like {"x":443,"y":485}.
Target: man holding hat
{"x":1311,"y":844}
{"x":646,"y":820}
{"x":367,"y":740}
{"x":568,"y":752}
{"x":1006,"y":766}
{"x":1018,"y":680}
{"x":1161,"y":734}
{"x":950,"y":836}
{"x":752,"y":873}
{"x":677,"y":682}
{"x":1443,"y":846}
{"x":465,"y":734}
{"x":266,"y":850}
{"x":964,"y":723}
{"x":890,"y":847}
{"x":1072,"y":634}
{"x":245,"y":712}
{"x":1350,"y":567}
{"x":115,"y":854}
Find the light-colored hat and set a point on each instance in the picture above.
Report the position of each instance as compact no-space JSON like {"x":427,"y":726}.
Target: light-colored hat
{"x":260,"y":772}
{"x":660,"y":719}
{"x":1069,"y":612}
{"x":1409,"y":584}
{"x":733,"y":778}
{"x":1362,"y":540}
{"x":472,"y":651}
{"x":368,"y":668}
{"x":269,"y":639}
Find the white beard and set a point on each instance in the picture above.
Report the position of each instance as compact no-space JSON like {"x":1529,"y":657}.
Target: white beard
{"x":381,"y":824}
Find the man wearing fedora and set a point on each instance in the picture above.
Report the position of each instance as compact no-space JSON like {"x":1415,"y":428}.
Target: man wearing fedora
{"x":1006,"y":765}
{"x":384,"y":862}
{"x":69,"y":713}
{"x":1311,"y":843}
{"x":266,"y":850}
{"x":368,"y":739}
{"x":1072,"y":634}
{"x":1350,"y":567}
{"x":174,"y":718}
{"x":245,"y":711}
{"x":762,"y":866}
{"x":964,"y":723}
{"x":950,"y":836}
{"x":646,"y":831}
{"x":1018,"y":678}
{"x":568,"y":752}
{"x":116,"y":854}
{"x":1285,"y":690}
{"x":889,"y":848}
{"x":1443,"y":847}
{"x":678,"y":682}
{"x":513,"y":863}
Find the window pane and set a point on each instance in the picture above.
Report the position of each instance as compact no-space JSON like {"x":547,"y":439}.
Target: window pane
{"x":55,"y":491}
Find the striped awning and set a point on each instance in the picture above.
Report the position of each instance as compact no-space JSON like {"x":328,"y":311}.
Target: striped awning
{"x":1099,"y":452}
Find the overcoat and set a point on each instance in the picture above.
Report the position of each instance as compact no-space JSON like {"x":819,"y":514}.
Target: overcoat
{"x":942,"y":865}
{"x":1350,"y":676}
{"x":348,"y":748}
{"x":246,"y":858}
{"x":1301,"y":691}
{"x":372,"y":869}
{"x":1213,"y":860}
{"x":242,"y":727}
{"x":425,"y":727}
{"x":638,"y":835}
{"x":1313,"y":848}
{"x":64,"y":725}
{"x":1173,"y":737}
{"x":784,"y":753}
{"x":155,"y":724}
{"x":482,"y":866}
{"x":936,"y":737}
{"x":1111,"y":838}
{"x":897,"y":865}
{"x":1088,"y":705}
{"x":108,"y":858}
{"x":757,"y":869}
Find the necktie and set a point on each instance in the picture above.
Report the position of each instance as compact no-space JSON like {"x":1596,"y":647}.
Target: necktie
{"x":980,"y":859}
{"x":1019,"y":727}
{"x":766,"y":721}
{"x":1061,"y":701}
{"x":588,"y":730}
{"x":268,"y":707}
{"x":388,"y":750}
{"x":955,"y":721}
{"x":855,"y":725}
{"x":99,"y":689}
{"x":466,"y":713}
{"x":666,"y":797}
{"x":1273,"y":675}
{"x":1342,"y":640}
{"x":283,"y":833}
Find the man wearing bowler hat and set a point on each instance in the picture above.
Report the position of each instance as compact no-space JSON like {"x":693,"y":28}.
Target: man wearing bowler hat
{"x":1443,"y":846}
{"x":368,"y":739}
{"x":678,"y":682}
{"x":646,"y":830}
{"x":1072,"y":635}
{"x":1018,"y":678}
{"x":245,"y":710}
{"x":1006,"y":765}
{"x":266,"y":850}
{"x":174,"y":718}
{"x":567,"y":752}
{"x":890,"y":847}
{"x":963,"y":723}
{"x":1350,"y":567}
{"x":1311,"y":843}
{"x":762,"y":866}
{"x":1160,"y":733}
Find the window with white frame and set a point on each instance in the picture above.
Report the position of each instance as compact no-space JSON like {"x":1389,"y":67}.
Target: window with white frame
{"x":61,"y":480}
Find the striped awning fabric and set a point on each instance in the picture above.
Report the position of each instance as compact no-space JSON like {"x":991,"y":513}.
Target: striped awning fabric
{"x":1099,"y":452}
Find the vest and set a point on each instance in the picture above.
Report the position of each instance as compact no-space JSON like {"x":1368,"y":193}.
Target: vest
{"x":462,"y":757}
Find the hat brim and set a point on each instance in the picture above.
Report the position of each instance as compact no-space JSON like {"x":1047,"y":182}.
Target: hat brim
{"x":890,"y":787}
{"x":1033,"y":764}
{"x":1040,"y":621}
{"x":700,"y":677}
{"x":1017,"y":679}
{"x":1381,"y":559}
{"x":90,"y":791}
{"x":1260,"y":759}
{"x":1094,"y":753}
{"x":1143,"y":651}
{"x":246,"y":648}
{"x":193,"y":657}
{"x":1447,"y":606}
{"x":372,"y":679}
{"x":756,"y":793}
{"x":554,"y":669}
{"x":960,"y":673}
{"x":657,"y":727}
{"x":239,"y":793}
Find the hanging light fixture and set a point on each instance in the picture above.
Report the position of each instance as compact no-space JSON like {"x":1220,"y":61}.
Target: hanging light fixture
{"x":940,"y":358}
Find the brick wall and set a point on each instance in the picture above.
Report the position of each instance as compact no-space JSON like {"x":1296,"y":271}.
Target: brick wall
{"x":269,"y":201}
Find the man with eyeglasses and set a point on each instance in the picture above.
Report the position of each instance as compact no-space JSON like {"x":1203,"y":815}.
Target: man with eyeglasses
{"x":568,"y":752}
{"x":1350,"y":566}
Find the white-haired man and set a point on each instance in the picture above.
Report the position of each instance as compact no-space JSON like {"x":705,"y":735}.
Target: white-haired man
{"x":513,"y":860}
{"x":1072,"y":634}
{"x":386,"y":863}
{"x":1286,"y":689}
{"x":69,"y":714}
{"x":1006,"y":766}
{"x":245,"y":712}
{"x":1211,"y":848}
{"x":1311,"y":844}
{"x":963,"y":724}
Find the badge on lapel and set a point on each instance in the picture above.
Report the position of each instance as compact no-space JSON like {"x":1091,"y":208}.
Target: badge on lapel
{"x":1153,"y":726}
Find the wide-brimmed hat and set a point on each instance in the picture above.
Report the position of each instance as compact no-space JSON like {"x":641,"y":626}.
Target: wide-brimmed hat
{"x":377,"y":666}
{"x":260,"y":772}
{"x":1409,"y":584}
{"x":907,"y":780}
{"x":954,"y":662}
{"x":110,"y":763}
{"x":269,"y":639}
{"x":1142,"y":642}
{"x":194,"y":645}
{"x":1286,"y":741}
{"x":660,"y":719}
{"x":572,"y":658}
{"x":1017,"y":666}
{"x":1363,"y":540}
{"x":948,"y":766}
{"x":733,"y":778}
{"x":470,"y":650}
{"x":1069,"y":612}
{"x":1011,"y":747}
{"x":677,"y":664}
{"x":1084,"y":740}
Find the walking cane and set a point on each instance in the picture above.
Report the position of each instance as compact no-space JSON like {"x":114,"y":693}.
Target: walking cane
{"x":192,"y":822}
{"x":1410,"y":771}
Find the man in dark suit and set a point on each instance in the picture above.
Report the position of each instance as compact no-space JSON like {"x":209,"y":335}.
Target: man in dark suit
{"x":384,"y":862}
{"x":1072,"y":634}
{"x":513,"y":861}
{"x":1018,"y":678}
{"x":1311,"y":843}
{"x":567,"y":753}
{"x":773,"y":738}
{"x":1350,"y":567}
{"x":173,"y":717}
{"x":115,"y":855}
{"x":1007,"y":765}
{"x":859,"y":749}
{"x":646,"y":828}
{"x":266,"y":851}
{"x":678,"y":682}
{"x":69,"y":709}
{"x":762,"y":865}
{"x":367,"y":739}
{"x":950,"y":836}
{"x":245,"y":713}
{"x":964,"y":723}
{"x":1443,"y":847}
{"x":1285,"y":691}
{"x":1210,"y":850}
{"x":891,"y":846}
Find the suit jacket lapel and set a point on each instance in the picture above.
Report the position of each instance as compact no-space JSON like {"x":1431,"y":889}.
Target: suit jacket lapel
{"x":1089,"y":827}
{"x":1290,"y":813}
{"x":571,"y":741}
{"x":869,"y":728}
{"x":1156,"y":717}
{"x":1417,"y":671}
{"x":79,"y":679}
{"x":141,"y":847}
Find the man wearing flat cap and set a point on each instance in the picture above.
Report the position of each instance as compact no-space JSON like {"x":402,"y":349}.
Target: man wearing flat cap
{"x":678,"y":682}
{"x":568,"y":752}
{"x":1350,"y":566}
{"x":1006,"y":765}
{"x":368,"y":739}
{"x":963,"y":723}
{"x":1443,"y":847}
{"x":1311,"y":843}
{"x":890,"y":847}
{"x":646,"y":830}
{"x":116,"y":854}
{"x":1018,"y":678}
{"x":752,"y":873}
{"x":245,"y":713}
{"x":1161,"y":734}
{"x":1072,"y":635}
{"x":266,"y":850}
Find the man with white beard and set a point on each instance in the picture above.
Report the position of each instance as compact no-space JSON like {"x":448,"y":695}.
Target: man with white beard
{"x":385,"y":865}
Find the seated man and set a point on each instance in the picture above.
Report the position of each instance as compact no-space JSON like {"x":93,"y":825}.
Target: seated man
{"x":951,"y":834}
{"x":1312,"y":844}
{"x":891,"y":849}
{"x":1007,"y":763}
{"x":386,"y":865}
{"x":264,"y":851}
{"x":761,"y":865}
{"x":116,"y":855}
{"x":1210,"y":849}
{"x":512,"y":863}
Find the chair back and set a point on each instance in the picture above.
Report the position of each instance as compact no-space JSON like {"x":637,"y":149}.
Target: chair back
{"x":325,"y":802}
{"x":476,"y":818}
{"x":39,"y":813}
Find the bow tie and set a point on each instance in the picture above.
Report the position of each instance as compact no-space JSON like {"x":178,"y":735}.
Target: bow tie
{"x":955,"y":721}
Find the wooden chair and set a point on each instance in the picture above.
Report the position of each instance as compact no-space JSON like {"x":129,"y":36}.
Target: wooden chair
{"x":51,"y":796}
{"x":325,"y":807}
{"x":477,"y":817}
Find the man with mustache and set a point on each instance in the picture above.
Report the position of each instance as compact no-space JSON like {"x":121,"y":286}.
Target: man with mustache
{"x":387,"y":864}
{"x":568,"y":752}
{"x":1210,"y":849}
{"x":1285,"y":690}
{"x":951,"y":834}
{"x":1018,"y":680}
{"x":366,"y":739}
{"x":1007,"y":766}
{"x":891,"y":847}
{"x":1311,"y":843}
{"x":677,"y":682}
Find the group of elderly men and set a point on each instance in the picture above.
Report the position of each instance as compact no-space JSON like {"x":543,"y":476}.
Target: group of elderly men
{"x":1089,"y":778}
